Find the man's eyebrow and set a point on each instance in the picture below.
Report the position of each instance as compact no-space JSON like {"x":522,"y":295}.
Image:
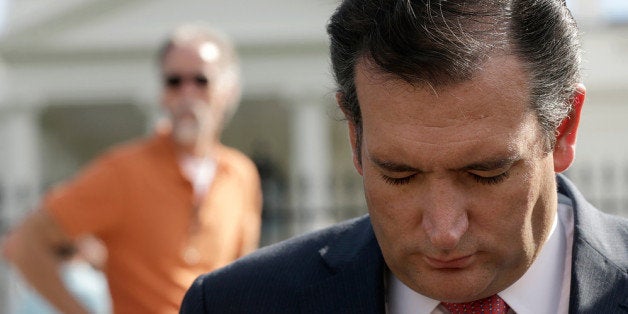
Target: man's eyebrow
{"x":494,"y":164}
{"x":487,"y":165}
{"x":393,"y":166}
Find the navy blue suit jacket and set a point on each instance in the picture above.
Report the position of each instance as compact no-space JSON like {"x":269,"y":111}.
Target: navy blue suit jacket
{"x":341,"y":270}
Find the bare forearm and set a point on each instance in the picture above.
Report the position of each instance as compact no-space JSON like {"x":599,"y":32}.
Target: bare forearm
{"x":42,"y":273}
{"x":34,"y":255}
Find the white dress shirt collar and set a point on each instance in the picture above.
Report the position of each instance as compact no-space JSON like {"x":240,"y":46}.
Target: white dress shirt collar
{"x":541,"y":288}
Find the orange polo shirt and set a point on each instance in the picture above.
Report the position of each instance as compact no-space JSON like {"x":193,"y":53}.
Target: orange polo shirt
{"x":137,"y":201}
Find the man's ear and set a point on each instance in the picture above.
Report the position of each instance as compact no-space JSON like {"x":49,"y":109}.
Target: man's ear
{"x":353,"y":136}
{"x":565,"y":147}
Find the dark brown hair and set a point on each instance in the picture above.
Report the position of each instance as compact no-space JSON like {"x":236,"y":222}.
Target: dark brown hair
{"x":441,"y":42}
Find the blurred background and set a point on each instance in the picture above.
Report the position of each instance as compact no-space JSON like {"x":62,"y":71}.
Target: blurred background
{"x":77,"y":76}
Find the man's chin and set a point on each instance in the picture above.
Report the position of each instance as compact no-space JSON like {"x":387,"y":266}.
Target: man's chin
{"x":185,"y":136}
{"x":454,"y":284}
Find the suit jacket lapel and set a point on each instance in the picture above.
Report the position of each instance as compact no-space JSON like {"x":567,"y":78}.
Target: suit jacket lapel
{"x":354,"y":282}
{"x":597,"y":286}
{"x":598,"y":283}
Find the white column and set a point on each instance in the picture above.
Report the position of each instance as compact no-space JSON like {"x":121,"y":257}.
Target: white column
{"x":310,"y":175}
{"x":19,"y":180}
{"x":19,"y":161}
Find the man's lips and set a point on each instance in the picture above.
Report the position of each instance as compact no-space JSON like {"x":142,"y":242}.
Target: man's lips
{"x":450,"y":263}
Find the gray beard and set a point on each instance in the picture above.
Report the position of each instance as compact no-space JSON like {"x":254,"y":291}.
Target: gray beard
{"x":186,"y":132}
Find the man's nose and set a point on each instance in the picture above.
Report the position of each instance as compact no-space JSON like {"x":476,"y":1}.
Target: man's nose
{"x":445,"y":219}
{"x":190,"y":89}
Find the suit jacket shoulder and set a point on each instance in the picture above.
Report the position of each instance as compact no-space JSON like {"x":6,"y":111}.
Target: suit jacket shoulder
{"x":337,"y":269}
{"x":599,"y":276}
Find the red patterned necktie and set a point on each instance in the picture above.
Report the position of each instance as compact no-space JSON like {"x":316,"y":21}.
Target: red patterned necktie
{"x":491,"y":305}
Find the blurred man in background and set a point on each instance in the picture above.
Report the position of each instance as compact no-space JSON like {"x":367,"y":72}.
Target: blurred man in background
{"x":167,"y":208}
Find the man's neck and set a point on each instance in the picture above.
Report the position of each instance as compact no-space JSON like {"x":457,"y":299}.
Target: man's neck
{"x":197,"y":151}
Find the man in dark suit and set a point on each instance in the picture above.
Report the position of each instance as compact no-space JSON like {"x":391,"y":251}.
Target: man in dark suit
{"x":461,"y":116}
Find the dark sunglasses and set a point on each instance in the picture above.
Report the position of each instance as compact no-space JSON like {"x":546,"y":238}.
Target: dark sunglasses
{"x":175,"y":80}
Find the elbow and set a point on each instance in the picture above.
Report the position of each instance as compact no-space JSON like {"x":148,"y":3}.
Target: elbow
{"x":9,"y":245}
{"x":20,"y":243}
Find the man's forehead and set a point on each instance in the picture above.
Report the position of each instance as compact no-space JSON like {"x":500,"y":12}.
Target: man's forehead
{"x":501,"y":85}
{"x":209,"y":52}
{"x":494,"y":105}
{"x":193,"y":57}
